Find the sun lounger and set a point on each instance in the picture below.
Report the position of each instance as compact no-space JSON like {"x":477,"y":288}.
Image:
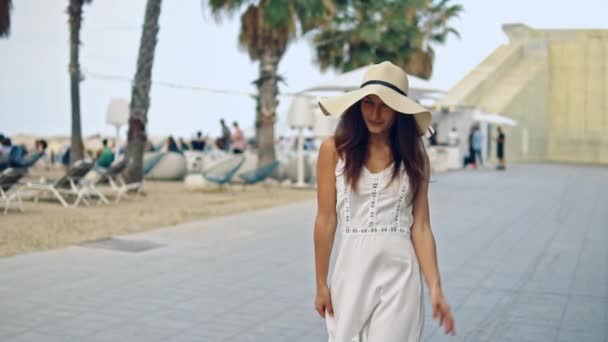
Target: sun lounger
{"x":70,"y":185}
{"x":112,"y":178}
{"x":10,"y":188}
{"x":259,"y":174}
{"x":222,"y":172}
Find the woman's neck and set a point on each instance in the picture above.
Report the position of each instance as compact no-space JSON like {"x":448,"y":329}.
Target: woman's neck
{"x":379,"y":146}
{"x":379,"y":140}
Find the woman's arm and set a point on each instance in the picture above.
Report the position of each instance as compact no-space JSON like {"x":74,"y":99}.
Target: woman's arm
{"x":326,"y":219}
{"x":424,"y":245}
{"x":422,"y":235}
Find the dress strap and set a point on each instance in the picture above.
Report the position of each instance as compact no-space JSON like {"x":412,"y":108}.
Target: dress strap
{"x":402,"y":192}
{"x":346,"y":205}
{"x":339,"y":167}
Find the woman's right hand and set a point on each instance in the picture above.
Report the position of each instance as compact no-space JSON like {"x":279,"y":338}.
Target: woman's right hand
{"x":323,"y":302}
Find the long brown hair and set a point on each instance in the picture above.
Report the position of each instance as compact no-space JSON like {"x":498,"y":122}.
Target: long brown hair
{"x":352,"y":137}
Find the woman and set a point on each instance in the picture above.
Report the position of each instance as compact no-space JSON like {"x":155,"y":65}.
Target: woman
{"x":372,"y":184}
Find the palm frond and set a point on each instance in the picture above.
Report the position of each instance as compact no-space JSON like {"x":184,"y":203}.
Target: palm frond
{"x":276,"y":13}
{"x":313,"y":13}
{"x":453,"y":31}
{"x":363,"y":31}
{"x":227,"y":8}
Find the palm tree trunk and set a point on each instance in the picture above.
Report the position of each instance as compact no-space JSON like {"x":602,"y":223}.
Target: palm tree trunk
{"x":268,"y":105}
{"x":75,"y":15}
{"x":420,"y":64}
{"x":140,"y":94}
{"x":5,"y":17}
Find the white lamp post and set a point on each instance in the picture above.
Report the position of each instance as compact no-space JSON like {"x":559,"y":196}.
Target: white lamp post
{"x":324,"y":125}
{"x":117,"y":115}
{"x":300,"y":116}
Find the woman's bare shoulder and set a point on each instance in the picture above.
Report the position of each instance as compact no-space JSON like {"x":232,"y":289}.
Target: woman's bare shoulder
{"x":329,"y":145}
{"x":328,"y":149}
{"x":328,"y":154}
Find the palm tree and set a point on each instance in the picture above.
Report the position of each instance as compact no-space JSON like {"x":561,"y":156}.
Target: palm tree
{"x":267,"y":27}
{"x":140,"y":93}
{"x":74,"y":11}
{"x":364,"y":32}
{"x":5,"y":17}
{"x":75,"y":19}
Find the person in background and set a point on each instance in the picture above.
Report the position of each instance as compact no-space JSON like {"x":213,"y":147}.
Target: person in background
{"x":239,"y":143}
{"x":500,"y":149}
{"x":309,"y":144}
{"x":199,"y":143}
{"x":21,"y":158}
{"x":477,"y":143}
{"x":7,"y":144}
{"x":469,"y":158}
{"x":105,"y":156}
{"x":40,"y":152}
{"x":433,"y":137}
{"x":453,"y":137}
{"x":65,"y":157}
{"x":41,"y":145}
{"x":225,"y":145}
{"x":171,"y":145}
{"x":284,"y":144}
{"x":183,"y":145}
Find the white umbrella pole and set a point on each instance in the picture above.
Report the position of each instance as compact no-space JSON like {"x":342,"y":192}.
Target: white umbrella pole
{"x":117,"y":138}
{"x":300,"y":180}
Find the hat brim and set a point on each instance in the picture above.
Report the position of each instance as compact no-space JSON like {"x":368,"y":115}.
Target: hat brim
{"x":337,"y":105}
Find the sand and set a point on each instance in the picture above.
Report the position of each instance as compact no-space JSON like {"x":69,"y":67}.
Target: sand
{"x":47,"y":225}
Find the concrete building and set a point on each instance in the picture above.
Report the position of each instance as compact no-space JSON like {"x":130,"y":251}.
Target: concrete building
{"x":554,"y":83}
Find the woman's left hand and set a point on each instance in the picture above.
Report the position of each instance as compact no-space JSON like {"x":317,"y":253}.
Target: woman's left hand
{"x":441,"y":311}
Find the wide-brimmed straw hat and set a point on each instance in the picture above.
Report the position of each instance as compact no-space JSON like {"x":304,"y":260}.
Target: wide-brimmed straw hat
{"x":390,"y":83}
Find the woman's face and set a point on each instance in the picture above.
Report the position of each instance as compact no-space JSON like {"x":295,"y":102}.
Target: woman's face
{"x":377,"y":115}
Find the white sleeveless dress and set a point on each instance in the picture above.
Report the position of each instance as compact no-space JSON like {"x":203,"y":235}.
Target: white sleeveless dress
{"x":376,"y":285}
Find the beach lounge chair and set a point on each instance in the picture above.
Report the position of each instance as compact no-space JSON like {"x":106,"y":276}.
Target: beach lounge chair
{"x":4,"y":162}
{"x":106,"y":174}
{"x":151,"y":160}
{"x":70,"y":185}
{"x":114,"y":180}
{"x":222,"y":172}
{"x":259,"y":174}
{"x":9,"y":188}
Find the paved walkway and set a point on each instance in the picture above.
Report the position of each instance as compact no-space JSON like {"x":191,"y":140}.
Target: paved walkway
{"x":523,"y":254}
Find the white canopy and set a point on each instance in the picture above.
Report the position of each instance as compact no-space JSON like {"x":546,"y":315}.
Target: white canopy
{"x":304,"y":112}
{"x":492,"y":118}
{"x":419,"y":88}
{"x":300,"y":112}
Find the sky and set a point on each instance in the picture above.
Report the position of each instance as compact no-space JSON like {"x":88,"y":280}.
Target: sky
{"x":194,"y":49}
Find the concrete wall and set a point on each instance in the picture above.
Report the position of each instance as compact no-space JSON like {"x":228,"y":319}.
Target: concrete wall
{"x":528,"y":140}
{"x":578,"y":124}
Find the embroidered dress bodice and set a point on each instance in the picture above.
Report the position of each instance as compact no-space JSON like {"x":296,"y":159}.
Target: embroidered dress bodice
{"x":380,"y":204}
